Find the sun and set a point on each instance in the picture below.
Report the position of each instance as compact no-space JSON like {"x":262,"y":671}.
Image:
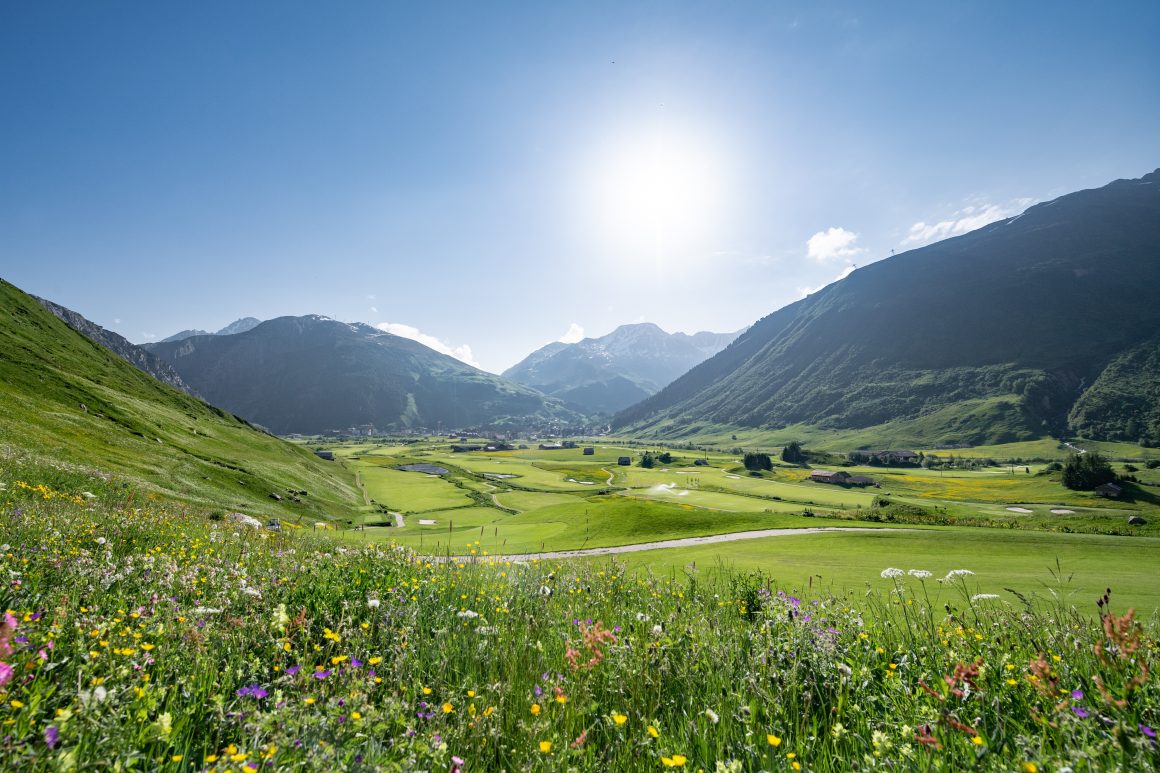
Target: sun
{"x":656,"y":195}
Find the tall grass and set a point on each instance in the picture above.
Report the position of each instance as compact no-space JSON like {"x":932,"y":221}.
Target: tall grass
{"x":140,"y":636}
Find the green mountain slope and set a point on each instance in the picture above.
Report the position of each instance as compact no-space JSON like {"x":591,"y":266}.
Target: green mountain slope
{"x":313,"y":374}
{"x":1024,"y":312}
{"x":65,"y":398}
{"x":1124,"y":402}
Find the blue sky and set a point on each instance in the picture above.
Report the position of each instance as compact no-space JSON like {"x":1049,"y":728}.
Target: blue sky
{"x":493,"y":176}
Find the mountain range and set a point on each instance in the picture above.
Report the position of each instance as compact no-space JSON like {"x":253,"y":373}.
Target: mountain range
{"x":237,"y":326}
{"x":604,"y":375}
{"x":1043,"y":323}
{"x":313,"y":374}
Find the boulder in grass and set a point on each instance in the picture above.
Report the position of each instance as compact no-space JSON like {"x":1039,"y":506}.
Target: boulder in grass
{"x":275,"y":497}
{"x":1136,"y":520}
{"x":245,"y":520}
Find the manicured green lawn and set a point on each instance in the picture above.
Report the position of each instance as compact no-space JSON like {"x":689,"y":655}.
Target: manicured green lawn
{"x":1000,"y":559}
{"x":410,"y":492}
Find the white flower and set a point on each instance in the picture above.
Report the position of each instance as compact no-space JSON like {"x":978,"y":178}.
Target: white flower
{"x":252,"y":592}
{"x":984,"y":596}
{"x":891,"y":573}
{"x":712,"y":715}
{"x":921,"y":574}
{"x":467,"y":613}
{"x":640,"y":616}
{"x":657,"y":631}
{"x":373,"y":603}
{"x":486,"y":630}
{"x":545,"y":590}
{"x":101,"y":540}
{"x":953,"y":573}
{"x":5,"y":548}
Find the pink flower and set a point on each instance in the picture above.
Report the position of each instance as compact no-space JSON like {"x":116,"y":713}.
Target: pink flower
{"x":5,"y":674}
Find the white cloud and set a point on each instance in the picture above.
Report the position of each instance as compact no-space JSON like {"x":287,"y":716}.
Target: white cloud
{"x":117,"y":321}
{"x":833,"y":244}
{"x":575,"y":333}
{"x":148,"y":336}
{"x":849,"y":269}
{"x":461,"y":353}
{"x":374,"y":309}
{"x":966,"y":219}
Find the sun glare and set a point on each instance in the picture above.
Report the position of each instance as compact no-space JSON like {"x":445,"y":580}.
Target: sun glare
{"x":656,"y":196}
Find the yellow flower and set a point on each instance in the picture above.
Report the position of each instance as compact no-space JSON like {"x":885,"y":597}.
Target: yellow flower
{"x":471,"y":693}
{"x":619,"y":719}
{"x":535,"y":709}
{"x":977,"y":740}
{"x":448,"y":708}
{"x":147,"y":647}
{"x":375,"y":661}
{"x":676,"y":761}
{"x":1012,"y":682}
{"x":653,"y":732}
{"x":16,"y":704}
{"x":309,"y":701}
{"x":545,"y":746}
{"x":487,"y":712}
{"x":790,"y":755}
{"x":1030,"y":767}
{"x":561,"y":698}
{"x":426,"y":690}
{"x":773,"y":740}
{"x":211,"y":758}
{"x":797,"y":765}
{"x":176,"y":758}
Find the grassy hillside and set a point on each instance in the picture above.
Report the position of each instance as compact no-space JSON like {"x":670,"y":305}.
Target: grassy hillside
{"x":1016,"y":317}
{"x":1124,"y":402}
{"x":64,"y":398}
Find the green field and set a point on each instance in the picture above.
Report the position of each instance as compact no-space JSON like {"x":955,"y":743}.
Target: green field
{"x":966,"y":518}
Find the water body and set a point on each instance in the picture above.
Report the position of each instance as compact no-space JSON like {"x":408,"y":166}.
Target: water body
{"x":430,"y":469}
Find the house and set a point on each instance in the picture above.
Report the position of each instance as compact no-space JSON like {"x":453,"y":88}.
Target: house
{"x":1109,"y":490}
{"x":327,"y":455}
{"x":589,"y":451}
{"x":624,"y":461}
{"x":550,"y":446}
{"x":827,"y":476}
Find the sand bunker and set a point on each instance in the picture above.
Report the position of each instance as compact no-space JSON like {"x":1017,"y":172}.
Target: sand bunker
{"x":1061,"y":511}
{"x":426,"y":522}
{"x":1019,"y":509}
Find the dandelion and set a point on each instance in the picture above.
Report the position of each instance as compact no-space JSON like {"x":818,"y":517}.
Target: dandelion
{"x":890,"y":573}
{"x":545,"y":747}
{"x":535,"y":709}
{"x":653,"y":732}
{"x":1030,"y":767}
{"x":619,"y":718}
{"x":773,"y":740}
{"x":448,"y":708}
{"x":676,"y":761}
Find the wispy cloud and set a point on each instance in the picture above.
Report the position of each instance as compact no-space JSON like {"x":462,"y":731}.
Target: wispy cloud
{"x":833,"y":244}
{"x":575,"y":333}
{"x":849,"y":269}
{"x":374,"y":309}
{"x":964,"y":220}
{"x":461,"y":352}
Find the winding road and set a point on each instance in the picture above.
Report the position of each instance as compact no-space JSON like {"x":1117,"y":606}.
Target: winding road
{"x":684,"y":542}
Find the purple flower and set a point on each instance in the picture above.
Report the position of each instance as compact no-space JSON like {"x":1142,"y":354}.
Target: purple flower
{"x":355,"y":663}
{"x":1147,"y":731}
{"x":292,"y":670}
{"x":1080,"y":712}
{"x":1077,"y":694}
{"x":538,"y":691}
{"x":252,"y":691}
{"x":322,"y":674}
{"x":51,"y":736}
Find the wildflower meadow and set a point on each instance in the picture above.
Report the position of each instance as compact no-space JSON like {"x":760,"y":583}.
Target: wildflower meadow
{"x":140,"y":635}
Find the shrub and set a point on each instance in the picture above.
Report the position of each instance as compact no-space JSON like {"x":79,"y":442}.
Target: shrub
{"x":756,"y":461}
{"x":1083,"y":472}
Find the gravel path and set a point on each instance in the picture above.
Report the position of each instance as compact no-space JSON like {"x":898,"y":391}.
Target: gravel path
{"x":736,"y":536}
